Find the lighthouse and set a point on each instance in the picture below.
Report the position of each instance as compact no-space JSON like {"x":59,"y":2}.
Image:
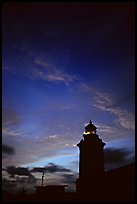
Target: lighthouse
{"x":91,"y":161}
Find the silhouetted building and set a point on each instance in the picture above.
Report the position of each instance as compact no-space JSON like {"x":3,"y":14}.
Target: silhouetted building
{"x":120,"y":184}
{"x":50,"y":193}
{"x":55,"y":189}
{"x":91,"y":161}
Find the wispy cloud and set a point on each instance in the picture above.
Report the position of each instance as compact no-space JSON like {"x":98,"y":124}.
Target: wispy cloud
{"x":107,"y":102}
{"x":6,"y":149}
{"x":123,"y":117}
{"x":44,"y":69}
{"x":44,"y":147}
{"x":52,"y":73}
{"x":53,"y":136}
{"x":42,"y":63}
{"x":10,"y":117}
{"x":106,"y":129}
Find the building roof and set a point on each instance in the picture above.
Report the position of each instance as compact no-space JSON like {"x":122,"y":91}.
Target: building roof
{"x":90,"y":126}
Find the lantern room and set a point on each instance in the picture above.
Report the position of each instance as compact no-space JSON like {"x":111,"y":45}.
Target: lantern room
{"x":90,"y":128}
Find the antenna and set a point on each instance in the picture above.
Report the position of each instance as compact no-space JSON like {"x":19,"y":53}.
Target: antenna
{"x":42,"y":179}
{"x":90,"y":122}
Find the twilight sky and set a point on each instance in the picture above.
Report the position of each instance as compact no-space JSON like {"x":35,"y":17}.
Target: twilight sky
{"x":62,"y":65}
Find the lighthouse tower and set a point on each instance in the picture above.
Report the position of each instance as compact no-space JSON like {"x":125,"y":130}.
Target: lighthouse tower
{"x":91,"y":161}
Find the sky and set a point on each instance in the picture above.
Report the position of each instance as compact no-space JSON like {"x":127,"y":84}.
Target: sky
{"x":62,"y":65}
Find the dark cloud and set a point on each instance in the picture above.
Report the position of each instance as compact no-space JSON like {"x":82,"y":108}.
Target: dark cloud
{"x":8,"y":183}
{"x":38,"y":169}
{"x":18,"y":177}
{"x":12,"y":170}
{"x":51,"y":168}
{"x":69,"y":178}
{"x":23,"y":176}
{"x":7,"y":149}
{"x":32,"y":179}
{"x":29,"y":179}
{"x":114,"y":156}
{"x":14,"y":186}
{"x":22,"y":171}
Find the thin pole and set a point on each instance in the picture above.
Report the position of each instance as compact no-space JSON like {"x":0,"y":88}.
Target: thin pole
{"x":42,"y":179}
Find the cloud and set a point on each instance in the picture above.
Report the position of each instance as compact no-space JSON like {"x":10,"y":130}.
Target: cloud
{"x":108,"y":103}
{"x":107,"y":129}
{"x":85,"y":88}
{"x":7,"y":149}
{"x":42,"y":63}
{"x":10,"y":120}
{"x":112,"y":155}
{"x":30,"y":179}
{"x":50,"y":168}
{"x":69,"y":178}
{"x":19,"y":183}
{"x":38,"y":170}
{"x":51,"y":73}
{"x":10,"y":117}
{"x":7,"y":184}
{"x":63,"y":176}
{"x":12,"y":170}
{"x":103,"y":98}
{"x":18,"y":177}
{"x":43,"y":148}
{"x":22,"y":176}
{"x":124,"y":117}
{"x":53,"y":136}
